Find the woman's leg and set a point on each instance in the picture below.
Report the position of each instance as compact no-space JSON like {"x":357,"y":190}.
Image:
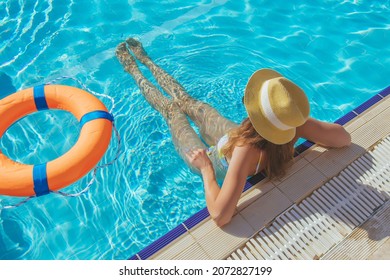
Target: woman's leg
{"x":211,"y":123}
{"x":183,"y":135}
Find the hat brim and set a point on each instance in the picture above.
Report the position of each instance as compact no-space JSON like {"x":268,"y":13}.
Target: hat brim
{"x":256,"y":113}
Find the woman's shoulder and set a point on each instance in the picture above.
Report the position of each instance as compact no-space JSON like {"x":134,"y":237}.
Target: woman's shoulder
{"x":247,"y":151}
{"x":246,"y":158}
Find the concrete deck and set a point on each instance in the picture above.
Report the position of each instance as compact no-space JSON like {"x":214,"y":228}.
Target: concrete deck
{"x":260,"y":205}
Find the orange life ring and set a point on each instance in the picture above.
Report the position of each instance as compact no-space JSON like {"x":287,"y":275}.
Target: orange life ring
{"x":17,"y":179}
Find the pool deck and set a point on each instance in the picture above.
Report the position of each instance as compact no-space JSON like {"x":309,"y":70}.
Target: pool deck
{"x":263,"y":207}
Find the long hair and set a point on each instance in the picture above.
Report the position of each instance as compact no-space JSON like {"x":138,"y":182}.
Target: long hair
{"x":277,"y":156}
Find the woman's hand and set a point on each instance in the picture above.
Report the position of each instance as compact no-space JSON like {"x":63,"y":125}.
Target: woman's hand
{"x":199,"y":159}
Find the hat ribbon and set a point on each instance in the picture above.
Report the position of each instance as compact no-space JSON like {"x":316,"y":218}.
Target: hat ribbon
{"x":268,"y":111}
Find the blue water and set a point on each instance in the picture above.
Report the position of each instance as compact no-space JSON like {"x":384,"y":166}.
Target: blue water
{"x":337,"y":51}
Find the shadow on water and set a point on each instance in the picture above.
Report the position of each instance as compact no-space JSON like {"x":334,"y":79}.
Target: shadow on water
{"x":12,"y":229}
{"x":6,"y":86}
{"x":13,"y":235}
{"x":335,"y":206}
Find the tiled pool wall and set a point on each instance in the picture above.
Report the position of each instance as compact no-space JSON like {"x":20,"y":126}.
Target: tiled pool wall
{"x":203,"y":214}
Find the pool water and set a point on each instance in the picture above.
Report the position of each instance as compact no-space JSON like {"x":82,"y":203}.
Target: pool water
{"x":335,"y":50}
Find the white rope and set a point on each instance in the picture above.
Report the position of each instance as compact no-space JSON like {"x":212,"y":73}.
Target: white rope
{"x":84,"y":87}
{"x":94,"y":171}
{"x":17,"y":204}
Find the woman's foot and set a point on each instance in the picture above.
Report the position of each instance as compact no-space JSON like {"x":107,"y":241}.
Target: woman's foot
{"x":166,"y":81}
{"x":138,"y":50}
{"x":125,"y":58}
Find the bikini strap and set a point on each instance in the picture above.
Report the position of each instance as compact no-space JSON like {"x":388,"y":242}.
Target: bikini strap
{"x":259,"y":162}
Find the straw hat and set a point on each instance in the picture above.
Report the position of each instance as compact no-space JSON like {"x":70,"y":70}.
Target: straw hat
{"x":275,"y":105}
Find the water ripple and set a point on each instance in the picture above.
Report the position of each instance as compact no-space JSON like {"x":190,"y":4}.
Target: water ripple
{"x":33,"y":22}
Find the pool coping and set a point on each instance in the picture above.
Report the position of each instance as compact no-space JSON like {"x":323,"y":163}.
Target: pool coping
{"x":202,"y":215}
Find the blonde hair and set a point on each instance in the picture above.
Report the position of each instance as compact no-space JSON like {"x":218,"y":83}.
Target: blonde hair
{"x":277,"y":156}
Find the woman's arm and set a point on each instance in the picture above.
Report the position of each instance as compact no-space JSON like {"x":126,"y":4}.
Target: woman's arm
{"x":221,"y":202}
{"x":325,"y":134}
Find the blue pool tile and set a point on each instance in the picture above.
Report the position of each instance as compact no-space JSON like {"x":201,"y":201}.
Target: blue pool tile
{"x":373,"y":100}
{"x":106,"y":249}
{"x":346,"y":118}
{"x":254,"y":180}
{"x":63,"y":213}
{"x":385,"y":92}
{"x":45,"y":253}
{"x":197,"y":218}
{"x":6,"y":85}
{"x":37,"y":251}
{"x":248,"y":184}
{"x":303,"y":147}
{"x":11,"y":250}
{"x":162,"y":242}
{"x":78,"y":235}
{"x":112,"y":254}
{"x":58,"y":243}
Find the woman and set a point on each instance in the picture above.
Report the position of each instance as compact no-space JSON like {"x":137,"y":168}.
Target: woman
{"x":278,"y":113}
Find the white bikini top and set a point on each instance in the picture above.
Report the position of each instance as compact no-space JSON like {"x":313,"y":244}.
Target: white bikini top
{"x":222,"y":157}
